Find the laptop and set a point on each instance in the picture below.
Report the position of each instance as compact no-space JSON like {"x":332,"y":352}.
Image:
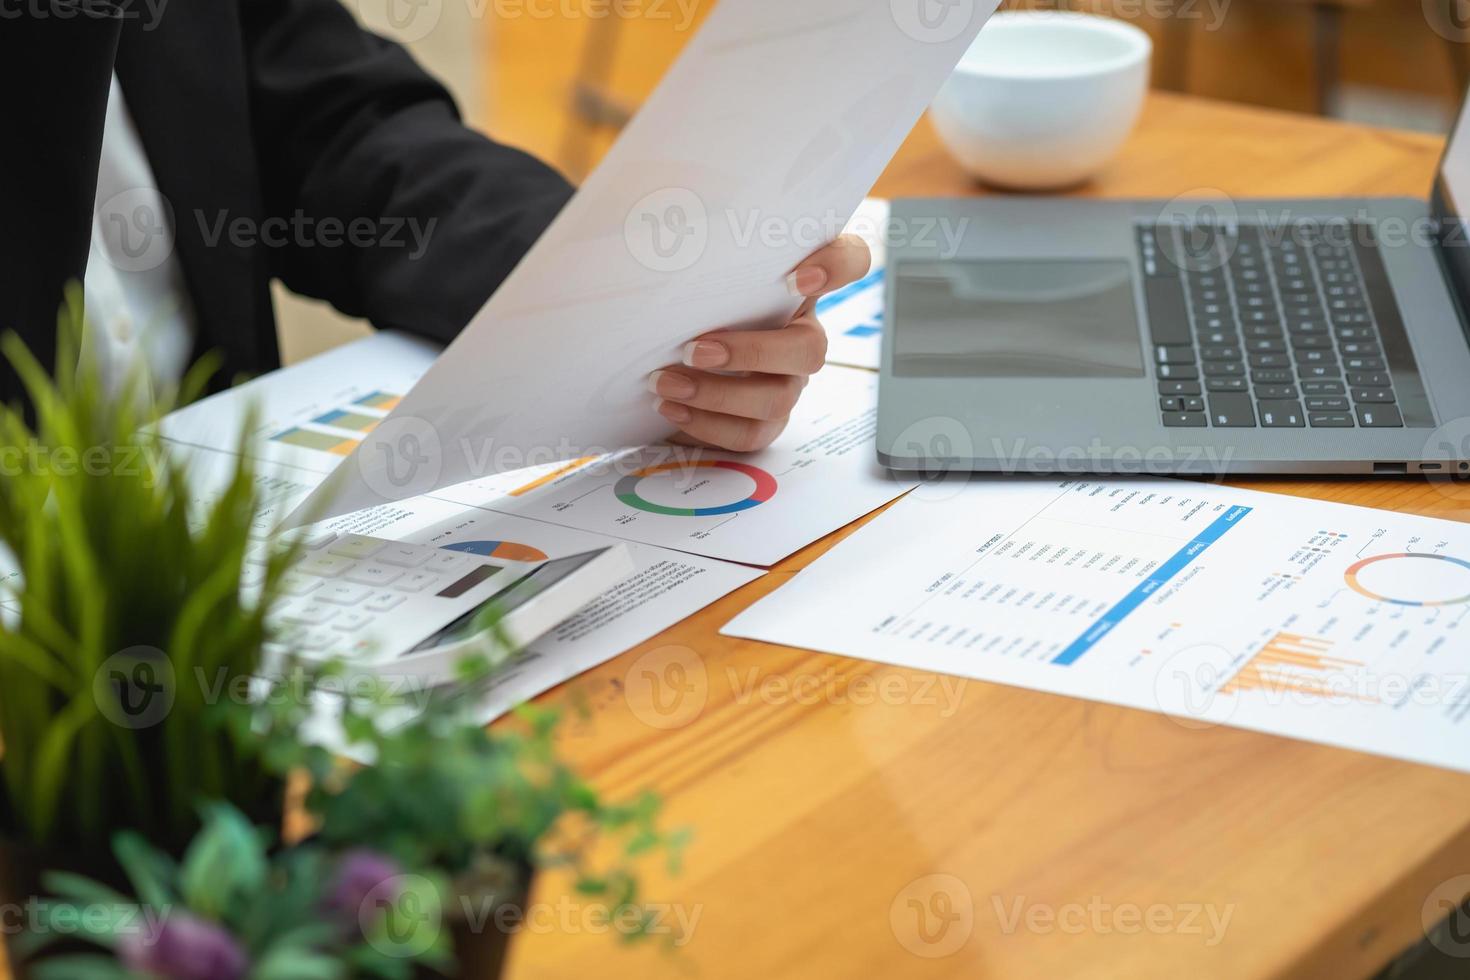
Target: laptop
{"x":1197,"y":336}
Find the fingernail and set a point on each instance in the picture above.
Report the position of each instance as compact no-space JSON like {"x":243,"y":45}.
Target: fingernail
{"x":671,"y":385}
{"x":706,"y":354}
{"x":673,"y":411}
{"x":807,"y":281}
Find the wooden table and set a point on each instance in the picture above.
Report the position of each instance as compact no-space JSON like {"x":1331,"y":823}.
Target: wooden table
{"x":820,"y":815}
{"x":827,"y":793}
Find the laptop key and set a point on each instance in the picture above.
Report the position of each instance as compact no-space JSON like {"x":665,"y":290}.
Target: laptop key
{"x":1332,"y":420}
{"x":1178,"y":372}
{"x":1324,"y":388}
{"x":1312,"y":342}
{"x":1273,"y":376}
{"x":1167,"y":388}
{"x":1319,"y":372}
{"x":1380,"y":417}
{"x":1365,"y":364}
{"x":1275,"y":392}
{"x":1193,"y":404}
{"x":1369,"y":379}
{"x":1327,"y":405}
{"x":1272,"y":346}
{"x":1220,"y":353}
{"x":1373,"y":396}
{"x":1232,"y":411}
{"x":1281,"y":414}
{"x":1224,"y":369}
{"x":1171,"y":404}
{"x":1225,"y":384}
{"x":1173,"y":355}
{"x":1184,"y":420}
{"x":1270,"y":361}
{"x":1168,"y":318}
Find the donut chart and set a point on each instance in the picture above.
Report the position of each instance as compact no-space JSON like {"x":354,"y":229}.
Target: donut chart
{"x":1455,"y":566}
{"x":504,"y":550}
{"x":765,"y":488}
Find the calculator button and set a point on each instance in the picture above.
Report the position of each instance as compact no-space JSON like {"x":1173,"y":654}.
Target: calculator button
{"x":455,"y":562}
{"x":384,"y":601}
{"x":327,"y":566}
{"x":417,"y":581}
{"x":343,"y":593}
{"x":405,"y":555}
{"x":350,"y":621}
{"x":308,"y":613}
{"x":318,"y":540}
{"x":294,"y":584}
{"x":357,"y":546}
{"x":374,"y":573}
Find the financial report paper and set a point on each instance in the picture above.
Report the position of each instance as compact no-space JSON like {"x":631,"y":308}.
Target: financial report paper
{"x":1324,"y":622}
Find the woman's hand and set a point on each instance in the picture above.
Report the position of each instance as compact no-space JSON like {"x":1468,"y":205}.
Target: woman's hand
{"x":747,"y":410}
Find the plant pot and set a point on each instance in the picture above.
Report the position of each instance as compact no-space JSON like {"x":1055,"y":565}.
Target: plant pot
{"x":486,"y":914}
{"x":21,"y":868}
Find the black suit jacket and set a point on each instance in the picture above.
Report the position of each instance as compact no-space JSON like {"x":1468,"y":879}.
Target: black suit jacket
{"x":251,"y":110}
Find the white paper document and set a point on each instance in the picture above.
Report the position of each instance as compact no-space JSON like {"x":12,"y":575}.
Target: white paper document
{"x":757,"y":508}
{"x":853,"y":315}
{"x":754,"y":151}
{"x":1317,"y":621}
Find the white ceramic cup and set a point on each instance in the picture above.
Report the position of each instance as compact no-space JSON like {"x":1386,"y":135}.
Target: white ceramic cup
{"x":1042,"y":100}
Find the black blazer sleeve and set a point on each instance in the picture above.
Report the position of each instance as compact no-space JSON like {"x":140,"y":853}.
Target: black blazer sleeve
{"x":56,"y":63}
{"x":348,"y":127}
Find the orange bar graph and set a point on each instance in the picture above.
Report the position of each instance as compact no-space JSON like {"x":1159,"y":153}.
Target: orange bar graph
{"x":1292,"y":662}
{"x":543,"y":481}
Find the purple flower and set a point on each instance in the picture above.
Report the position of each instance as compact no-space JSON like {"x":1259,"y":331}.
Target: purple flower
{"x":363,"y":876}
{"x":184,"y":948}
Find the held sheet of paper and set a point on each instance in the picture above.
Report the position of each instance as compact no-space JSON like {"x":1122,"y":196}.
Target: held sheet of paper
{"x":1324,"y":622}
{"x":754,"y":150}
{"x":309,"y":414}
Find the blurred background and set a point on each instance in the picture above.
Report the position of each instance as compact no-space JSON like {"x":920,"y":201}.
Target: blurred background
{"x":558,"y":77}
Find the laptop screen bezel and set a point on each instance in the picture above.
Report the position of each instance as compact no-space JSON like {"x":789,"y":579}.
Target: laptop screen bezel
{"x":1450,"y":235}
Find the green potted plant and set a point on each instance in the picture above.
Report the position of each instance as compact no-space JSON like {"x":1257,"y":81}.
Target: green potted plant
{"x":129,"y":623}
{"x":419,"y":865}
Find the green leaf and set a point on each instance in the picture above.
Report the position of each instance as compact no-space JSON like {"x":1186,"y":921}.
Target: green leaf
{"x":149,"y":870}
{"x":225,"y":863}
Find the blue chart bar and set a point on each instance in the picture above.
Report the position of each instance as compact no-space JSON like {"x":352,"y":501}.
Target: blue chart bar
{"x":1150,"y":585}
{"x":847,"y":292}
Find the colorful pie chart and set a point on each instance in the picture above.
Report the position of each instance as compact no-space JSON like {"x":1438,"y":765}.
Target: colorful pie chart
{"x":1447,"y":578}
{"x":504,"y":550}
{"x":627,"y":489}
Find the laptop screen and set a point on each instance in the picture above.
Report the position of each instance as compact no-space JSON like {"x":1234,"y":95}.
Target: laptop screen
{"x":1451,"y":200}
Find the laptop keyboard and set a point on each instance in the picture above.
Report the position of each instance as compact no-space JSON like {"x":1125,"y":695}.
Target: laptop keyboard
{"x":1275,"y":327}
